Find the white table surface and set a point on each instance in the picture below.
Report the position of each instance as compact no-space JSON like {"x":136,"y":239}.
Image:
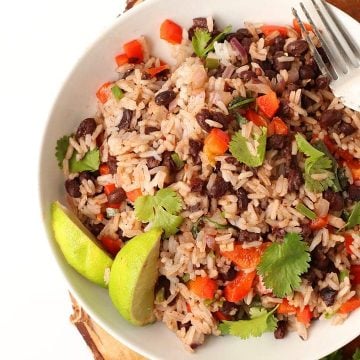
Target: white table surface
{"x":39,"y":43}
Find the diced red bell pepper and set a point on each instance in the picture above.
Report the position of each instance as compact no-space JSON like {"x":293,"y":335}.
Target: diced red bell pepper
{"x":330,"y":144}
{"x":278,"y":127}
{"x":297,"y":28}
{"x":156,"y":70}
{"x":171,"y":32}
{"x":103,"y":92}
{"x":257,"y":119}
{"x":134,"y":194}
{"x":354,"y":166}
{"x":109,"y":188}
{"x":349,"y":306}
{"x":348,"y":241}
{"x":216,"y":143}
{"x":121,"y":59}
{"x":319,"y":223}
{"x":104,"y":169}
{"x":219,"y":315}
{"x":100,"y":216}
{"x":268,"y":104}
{"x":204,"y":287}
{"x":285,"y":308}
{"x":111,"y":245}
{"x":344,"y":154}
{"x":268,"y":29}
{"x":134,"y":51}
{"x":355,"y":274}
{"x":237,"y":289}
{"x":305,"y":315}
{"x":245,"y":258}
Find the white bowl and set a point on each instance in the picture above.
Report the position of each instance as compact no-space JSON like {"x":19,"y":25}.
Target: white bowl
{"x":76,"y":101}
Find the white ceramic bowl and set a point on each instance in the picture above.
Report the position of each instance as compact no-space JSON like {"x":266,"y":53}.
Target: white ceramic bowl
{"x":77,"y":101}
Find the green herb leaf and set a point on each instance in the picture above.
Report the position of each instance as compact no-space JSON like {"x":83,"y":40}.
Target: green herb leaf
{"x":239,"y":149}
{"x":336,"y":355}
{"x":317,"y":163}
{"x":185,"y":278}
{"x":161,"y":210}
{"x":343,"y":274}
{"x":217,"y":225}
{"x":282,"y":264}
{"x":260,"y":321}
{"x":354,"y":218}
{"x":240,"y":119}
{"x":117,"y":92}
{"x":356,"y":355}
{"x":60,"y":150}
{"x":212,"y":63}
{"x":160,"y":296}
{"x":199,"y":41}
{"x":177,"y":161}
{"x":90,"y":162}
{"x":304,"y":210}
{"x":239,"y":101}
{"x":196,"y":228}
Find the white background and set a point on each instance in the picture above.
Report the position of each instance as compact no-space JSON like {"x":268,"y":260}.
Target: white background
{"x":39,"y":43}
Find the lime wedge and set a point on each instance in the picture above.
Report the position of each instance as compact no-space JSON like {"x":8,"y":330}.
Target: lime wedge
{"x":79,"y":246}
{"x":133,"y":277}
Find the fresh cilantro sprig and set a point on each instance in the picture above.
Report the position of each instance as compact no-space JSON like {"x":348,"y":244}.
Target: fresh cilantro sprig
{"x":60,"y":150}
{"x":260,"y":321}
{"x":337,"y":355}
{"x":239,"y":102}
{"x":282,"y":264}
{"x":161,"y":210}
{"x":354,"y":218}
{"x":316,"y":163}
{"x":202,"y":43}
{"x":239,"y":149}
{"x":90,"y":162}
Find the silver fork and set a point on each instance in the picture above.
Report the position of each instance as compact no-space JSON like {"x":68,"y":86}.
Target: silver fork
{"x":342,"y":52}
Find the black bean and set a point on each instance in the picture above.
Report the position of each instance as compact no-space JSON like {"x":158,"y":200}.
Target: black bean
{"x":312,"y":276}
{"x":270,"y":73}
{"x":186,"y":326}
{"x":195,"y":147}
{"x":243,"y":200}
{"x":163,"y":283}
{"x":165,"y":98}
{"x":95,"y":229}
{"x":284,"y":110}
{"x":219,"y":188}
{"x":89,"y":175}
{"x":197,"y":185}
{"x":281,"y":329}
{"x":150,"y":129}
{"x":229,"y":307}
{"x":200,"y":22}
{"x":297,"y":47}
{"x":230,"y":274}
{"x":328,"y":295}
{"x":73,"y":187}
{"x":307,"y":72}
{"x":247,"y":236}
{"x":354,"y":192}
{"x":232,"y":160}
{"x":330,"y":118}
{"x":277,"y":142}
{"x":295,"y":179}
{"x":168,"y":162}
{"x":306,"y":102}
{"x":163,"y":75}
{"x":194,"y":208}
{"x":335,"y":199}
{"x":125,"y":120}
{"x":117,"y":196}
{"x":281,"y":65}
{"x":306,"y":230}
{"x":201,"y":117}
{"x":87,"y":126}
{"x":151,"y":162}
{"x":112,"y":163}
{"x":322,"y":82}
{"x":247,"y":75}
{"x":320,"y":259}
{"x":279,"y":43}
{"x":293,"y":86}
{"x":346,"y":129}
{"x":222,"y":119}
{"x":246,"y":42}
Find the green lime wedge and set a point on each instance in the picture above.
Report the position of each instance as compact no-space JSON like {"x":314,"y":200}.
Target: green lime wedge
{"x":79,"y":246}
{"x":133,"y":277}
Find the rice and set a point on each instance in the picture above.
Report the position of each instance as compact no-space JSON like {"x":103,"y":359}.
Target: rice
{"x":148,"y":145}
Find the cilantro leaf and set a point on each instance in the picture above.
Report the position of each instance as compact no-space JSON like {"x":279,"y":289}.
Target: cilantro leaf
{"x":239,"y":149}
{"x":336,"y":355}
{"x":239,"y":101}
{"x":260,"y":322}
{"x":354,"y":218}
{"x":60,"y":150}
{"x":282,"y":264}
{"x":90,"y":162}
{"x":356,"y":355}
{"x":201,"y":40}
{"x":317,"y":163}
{"x":161,"y":210}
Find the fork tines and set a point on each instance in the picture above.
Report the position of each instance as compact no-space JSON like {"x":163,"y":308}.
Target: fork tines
{"x":341,"y":51}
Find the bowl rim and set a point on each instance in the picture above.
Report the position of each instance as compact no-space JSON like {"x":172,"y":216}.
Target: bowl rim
{"x":43,"y":208}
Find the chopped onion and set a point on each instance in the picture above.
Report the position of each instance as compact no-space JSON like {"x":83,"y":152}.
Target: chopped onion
{"x":239,"y":50}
